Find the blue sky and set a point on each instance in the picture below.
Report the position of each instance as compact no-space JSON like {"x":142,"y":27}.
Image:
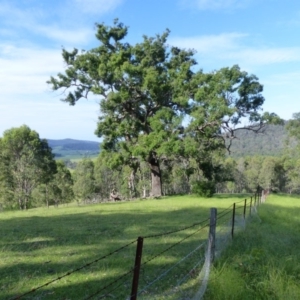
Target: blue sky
{"x":261,"y":36}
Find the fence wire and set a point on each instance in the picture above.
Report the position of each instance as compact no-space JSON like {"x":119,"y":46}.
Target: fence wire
{"x":175,"y":231}
{"x":176,"y":280}
{"x":204,"y":274}
{"x":164,"y":283}
{"x":73,"y":271}
{"x":166,"y":271}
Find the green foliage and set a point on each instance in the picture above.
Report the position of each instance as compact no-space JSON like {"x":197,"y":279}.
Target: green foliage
{"x":270,"y":142}
{"x":56,"y":191}
{"x":26,"y":162}
{"x":84,"y":181}
{"x":204,"y":188}
{"x":148,"y":89}
{"x":293,"y":126}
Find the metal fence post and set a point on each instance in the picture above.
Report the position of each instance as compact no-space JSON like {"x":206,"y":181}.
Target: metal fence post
{"x":233,"y":220}
{"x":137,"y":265}
{"x":212,"y":232}
{"x":250,"y":205}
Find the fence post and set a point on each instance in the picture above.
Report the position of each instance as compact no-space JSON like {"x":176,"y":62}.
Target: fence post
{"x":233,"y":220}
{"x":137,"y":265}
{"x":244,"y":213}
{"x":250,"y":205}
{"x":212,"y":232}
{"x":245,"y":206}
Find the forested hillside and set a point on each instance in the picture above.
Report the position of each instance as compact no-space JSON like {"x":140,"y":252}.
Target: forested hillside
{"x":268,"y":143}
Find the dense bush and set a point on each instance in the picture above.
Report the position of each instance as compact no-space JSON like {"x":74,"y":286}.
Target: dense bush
{"x":204,"y":188}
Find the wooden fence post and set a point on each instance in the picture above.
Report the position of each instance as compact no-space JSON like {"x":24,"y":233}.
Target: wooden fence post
{"x":233,"y":220}
{"x":244,"y":213}
{"x":212,"y":232}
{"x":137,"y":266}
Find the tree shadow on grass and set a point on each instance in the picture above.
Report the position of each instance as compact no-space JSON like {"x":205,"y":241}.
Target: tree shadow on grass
{"x":36,"y":249}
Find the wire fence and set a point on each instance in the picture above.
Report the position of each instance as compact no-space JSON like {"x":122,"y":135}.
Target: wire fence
{"x":180,"y":265}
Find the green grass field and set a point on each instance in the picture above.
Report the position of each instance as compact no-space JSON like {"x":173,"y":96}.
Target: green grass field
{"x":263,"y":262}
{"x":42,"y":244}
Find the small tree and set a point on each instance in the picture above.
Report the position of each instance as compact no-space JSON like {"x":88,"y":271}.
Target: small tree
{"x":59,"y":189}
{"x":27,"y":161}
{"x":84,"y":181}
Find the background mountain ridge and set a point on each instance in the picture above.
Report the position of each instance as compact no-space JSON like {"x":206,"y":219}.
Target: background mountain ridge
{"x":73,"y":149}
{"x":269,"y":143}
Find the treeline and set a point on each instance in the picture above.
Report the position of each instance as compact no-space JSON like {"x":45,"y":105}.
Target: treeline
{"x":31,"y":177}
{"x":166,"y":128}
{"x":271,"y":141}
{"x":94,"y":181}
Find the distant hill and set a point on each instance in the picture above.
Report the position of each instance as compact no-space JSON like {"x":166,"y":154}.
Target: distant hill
{"x":248,"y":143}
{"x":269,"y":143}
{"x":73,"y":149}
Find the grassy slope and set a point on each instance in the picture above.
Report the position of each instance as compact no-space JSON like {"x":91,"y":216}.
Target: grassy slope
{"x":264,"y":261}
{"x":41,"y":244}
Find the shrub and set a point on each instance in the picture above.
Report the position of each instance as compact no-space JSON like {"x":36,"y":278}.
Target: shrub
{"x":204,"y":188}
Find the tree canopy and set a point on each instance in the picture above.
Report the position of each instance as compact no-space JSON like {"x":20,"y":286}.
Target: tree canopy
{"x":293,"y":126}
{"x":155,"y":105}
{"x":25,"y":162}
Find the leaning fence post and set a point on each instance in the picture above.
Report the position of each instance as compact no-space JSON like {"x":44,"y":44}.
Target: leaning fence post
{"x":137,"y":265}
{"x":212,"y":232}
{"x":233,"y":220}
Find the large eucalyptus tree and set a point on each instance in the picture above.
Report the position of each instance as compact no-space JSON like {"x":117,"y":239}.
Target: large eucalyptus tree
{"x":154,"y":104}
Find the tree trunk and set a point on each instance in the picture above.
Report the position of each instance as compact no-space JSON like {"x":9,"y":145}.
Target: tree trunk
{"x":20,"y":203}
{"x":131,"y":184}
{"x":156,"y":182}
{"x":46,"y":195}
{"x":25,"y":203}
{"x":144,"y":192}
